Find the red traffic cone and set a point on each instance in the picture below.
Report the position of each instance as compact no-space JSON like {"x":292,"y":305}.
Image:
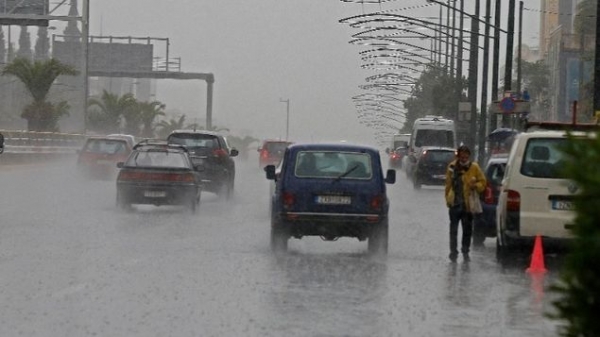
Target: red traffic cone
{"x":537,"y":258}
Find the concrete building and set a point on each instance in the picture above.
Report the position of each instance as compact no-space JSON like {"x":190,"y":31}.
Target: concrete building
{"x":564,"y":50}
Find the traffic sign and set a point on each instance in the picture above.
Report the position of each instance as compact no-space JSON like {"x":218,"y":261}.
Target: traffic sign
{"x":507,"y":104}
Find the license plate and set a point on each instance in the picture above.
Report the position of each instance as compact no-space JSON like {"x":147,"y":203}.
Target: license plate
{"x":562,"y":205}
{"x":197,"y":160}
{"x":155,"y":194}
{"x":333,"y":199}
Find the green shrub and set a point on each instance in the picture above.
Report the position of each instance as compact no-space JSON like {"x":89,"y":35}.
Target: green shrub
{"x":578,"y":303}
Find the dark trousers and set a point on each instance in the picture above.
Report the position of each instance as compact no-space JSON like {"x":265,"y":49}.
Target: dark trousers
{"x":458,"y":214}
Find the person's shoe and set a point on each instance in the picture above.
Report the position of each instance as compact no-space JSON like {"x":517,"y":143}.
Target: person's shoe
{"x":466,"y":257}
{"x":452,"y":257}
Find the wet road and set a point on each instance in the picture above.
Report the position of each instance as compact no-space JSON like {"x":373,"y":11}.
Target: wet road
{"x":71,"y":264}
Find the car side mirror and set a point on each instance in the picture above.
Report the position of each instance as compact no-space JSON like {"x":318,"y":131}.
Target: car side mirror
{"x":234,"y":152}
{"x":120,"y":164}
{"x":390,"y":176}
{"x":270,"y":170}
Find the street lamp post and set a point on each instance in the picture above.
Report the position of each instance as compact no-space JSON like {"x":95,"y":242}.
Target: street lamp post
{"x":484,"y":89}
{"x":473,"y":72}
{"x":287,"y":120}
{"x":85,"y":25}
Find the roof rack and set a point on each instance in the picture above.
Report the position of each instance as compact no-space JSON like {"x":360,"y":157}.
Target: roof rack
{"x":558,"y":126}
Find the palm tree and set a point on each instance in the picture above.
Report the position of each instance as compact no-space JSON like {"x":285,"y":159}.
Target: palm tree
{"x":242,"y":144}
{"x":109,"y":110}
{"x":148,"y":112}
{"x":132,"y":116}
{"x":166,"y":127}
{"x":214,"y":128}
{"x":38,"y":78}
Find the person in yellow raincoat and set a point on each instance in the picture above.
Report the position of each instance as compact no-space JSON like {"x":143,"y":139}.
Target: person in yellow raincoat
{"x":463,"y":177}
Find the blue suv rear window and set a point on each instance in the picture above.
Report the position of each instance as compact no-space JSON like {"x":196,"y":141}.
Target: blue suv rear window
{"x":330,"y":164}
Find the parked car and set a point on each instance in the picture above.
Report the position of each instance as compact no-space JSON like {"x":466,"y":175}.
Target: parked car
{"x":271,"y":151}
{"x":98,"y":157}
{"x":331,"y":191}
{"x":535,"y":198}
{"x":130,"y":139}
{"x":158,"y":174}
{"x":430,"y":167}
{"x":396,"y":156}
{"x":485,"y":223}
{"x":216,"y":156}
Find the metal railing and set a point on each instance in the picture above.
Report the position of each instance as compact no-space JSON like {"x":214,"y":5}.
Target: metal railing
{"x":31,"y":142}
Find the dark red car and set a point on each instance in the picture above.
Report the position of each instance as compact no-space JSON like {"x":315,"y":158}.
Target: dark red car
{"x":271,"y":152}
{"x":395,"y":159}
{"x":99,"y":156}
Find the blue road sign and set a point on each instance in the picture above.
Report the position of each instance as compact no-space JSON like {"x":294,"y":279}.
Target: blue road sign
{"x":507,"y":105}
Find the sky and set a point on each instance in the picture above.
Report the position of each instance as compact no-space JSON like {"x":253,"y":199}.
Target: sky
{"x":262,"y":52}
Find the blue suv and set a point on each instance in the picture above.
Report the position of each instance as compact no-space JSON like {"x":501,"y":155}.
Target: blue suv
{"x":331,"y":191}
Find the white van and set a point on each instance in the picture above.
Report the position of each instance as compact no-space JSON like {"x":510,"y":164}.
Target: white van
{"x":535,"y":199}
{"x":429,"y":131}
{"x":400,"y":140}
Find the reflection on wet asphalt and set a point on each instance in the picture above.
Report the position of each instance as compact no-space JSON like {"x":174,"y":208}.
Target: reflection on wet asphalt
{"x":72,"y":264}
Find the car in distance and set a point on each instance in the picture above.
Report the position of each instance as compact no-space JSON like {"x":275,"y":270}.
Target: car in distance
{"x":431,"y":164}
{"x":396,"y":156}
{"x":485,"y":223}
{"x":216,"y":156}
{"x":428,"y":131}
{"x":271,"y":151}
{"x":158,"y":174}
{"x":99,"y":155}
{"x":331,"y":191}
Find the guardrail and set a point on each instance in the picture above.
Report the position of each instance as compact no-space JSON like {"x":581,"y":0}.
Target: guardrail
{"x":29,"y":146}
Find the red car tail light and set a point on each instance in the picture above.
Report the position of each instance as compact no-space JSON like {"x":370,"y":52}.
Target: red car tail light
{"x":395,"y":156}
{"x":288,"y":199}
{"x":377,"y":202}
{"x":264,"y":154}
{"x":513,"y":201}
{"x":488,"y":195}
{"x":130,"y":176}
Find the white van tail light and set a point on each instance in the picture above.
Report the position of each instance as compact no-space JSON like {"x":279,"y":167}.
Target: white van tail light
{"x":513,"y":201}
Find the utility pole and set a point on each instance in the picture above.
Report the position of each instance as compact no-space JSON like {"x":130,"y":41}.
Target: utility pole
{"x":473,"y":70}
{"x":495,"y":62}
{"x":440,"y":39}
{"x":452,"y":58}
{"x":85,"y":28}
{"x":287,"y":120}
{"x":597,"y":64}
{"x":484,"y":80}
{"x":459,"y":59}
{"x":520,"y":42}
{"x":446,"y":56}
{"x":509,"y":53}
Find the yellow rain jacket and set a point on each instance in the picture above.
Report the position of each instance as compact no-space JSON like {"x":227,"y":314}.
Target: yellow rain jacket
{"x":474,"y":171}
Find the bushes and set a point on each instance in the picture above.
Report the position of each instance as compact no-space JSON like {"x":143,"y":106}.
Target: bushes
{"x":579,"y":286}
